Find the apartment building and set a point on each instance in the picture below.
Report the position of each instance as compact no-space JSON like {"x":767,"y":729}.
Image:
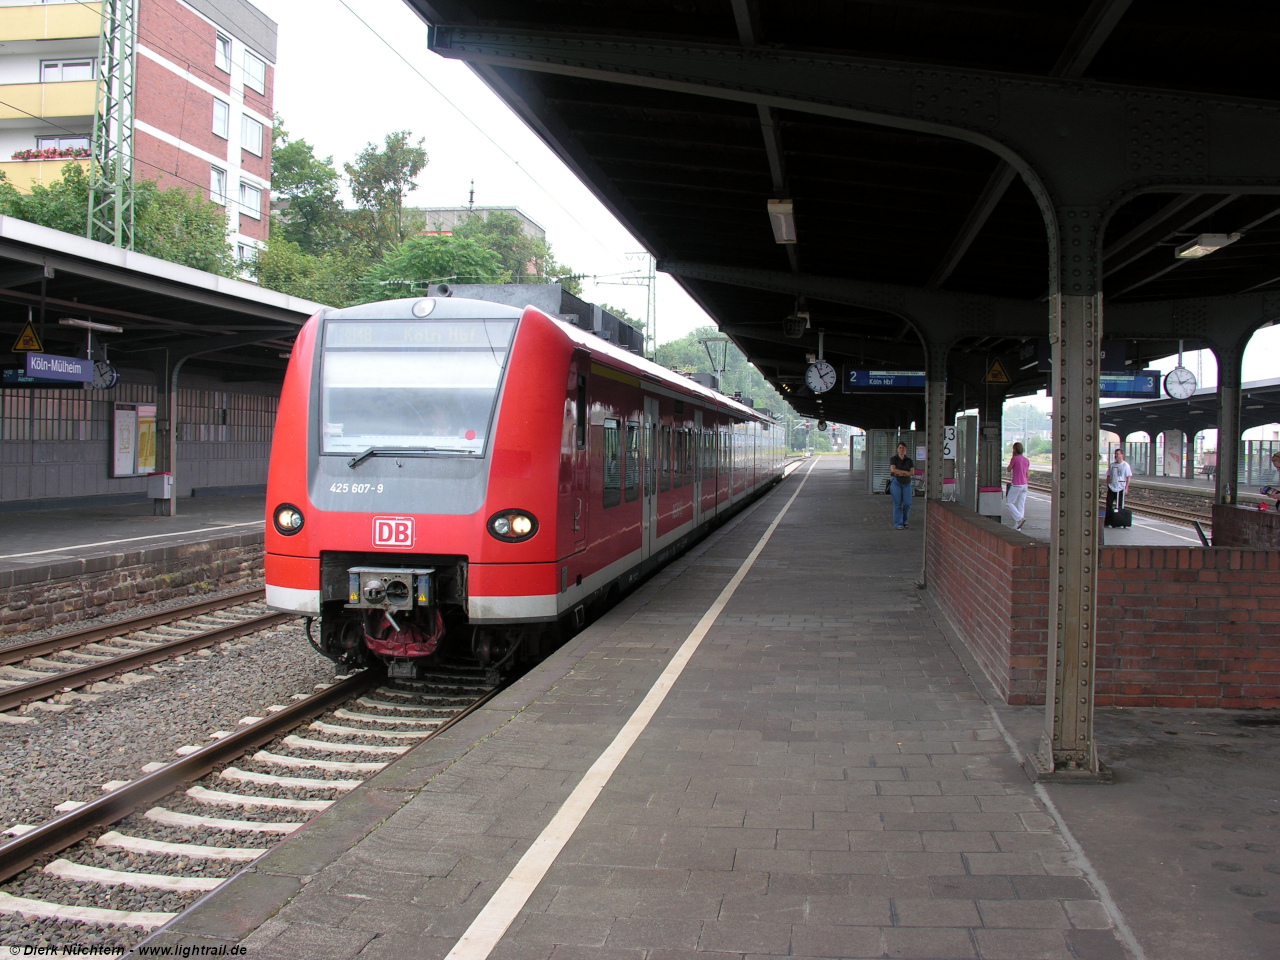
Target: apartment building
{"x":202,"y":102}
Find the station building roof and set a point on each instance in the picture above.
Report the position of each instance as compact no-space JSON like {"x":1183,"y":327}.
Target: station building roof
{"x":234,"y":324}
{"x":1259,"y":405}
{"x":686,"y":117}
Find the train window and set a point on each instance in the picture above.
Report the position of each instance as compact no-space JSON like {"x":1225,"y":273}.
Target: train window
{"x":612,"y":464}
{"x":690,"y":443}
{"x":582,"y":411}
{"x":677,"y":459}
{"x":420,"y":386}
{"x":708,"y":454}
{"x":631,"y":475}
{"x":664,"y":480}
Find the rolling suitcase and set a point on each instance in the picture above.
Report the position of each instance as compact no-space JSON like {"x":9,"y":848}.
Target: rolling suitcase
{"x":1121,"y":516}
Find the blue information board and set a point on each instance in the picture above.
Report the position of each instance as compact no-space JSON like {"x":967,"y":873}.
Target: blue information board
{"x":1138,"y":385}
{"x":47,"y":366}
{"x":883,"y":381}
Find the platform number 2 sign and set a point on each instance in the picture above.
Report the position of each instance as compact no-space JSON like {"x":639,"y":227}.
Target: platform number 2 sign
{"x":393,"y":531}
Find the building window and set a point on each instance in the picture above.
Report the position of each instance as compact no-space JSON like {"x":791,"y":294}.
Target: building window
{"x":218,"y":185}
{"x":250,"y":200}
{"x":255,"y":72}
{"x":62,"y":143}
{"x":62,"y":71}
{"x":222,"y":53}
{"x":246,"y":254}
{"x":251,"y":135}
{"x":221,"y":118}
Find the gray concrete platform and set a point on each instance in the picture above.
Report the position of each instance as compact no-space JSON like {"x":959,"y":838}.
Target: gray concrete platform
{"x":47,"y":537}
{"x":828,"y":777}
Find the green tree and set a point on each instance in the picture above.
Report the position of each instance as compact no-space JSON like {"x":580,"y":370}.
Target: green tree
{"x":527,"y":259}
{"x":172,"y":224}
{"x":332,"y":277}
{"x":408,"y":268}
{"x":307,"y":188}
{"x":380,"y":180}
{"x":689,"y":356}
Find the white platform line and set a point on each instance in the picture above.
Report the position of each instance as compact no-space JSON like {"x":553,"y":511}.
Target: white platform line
{"x":107,"y":543}
{"x":488,"y":928}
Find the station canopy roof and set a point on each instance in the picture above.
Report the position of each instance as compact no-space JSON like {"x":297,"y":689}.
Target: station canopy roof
{"x":1259,"y":405}
{"x":231,"y":328}
{"x":690,"y":169}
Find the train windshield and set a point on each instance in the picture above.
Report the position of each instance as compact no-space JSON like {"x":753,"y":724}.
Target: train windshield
{"x":415,"y":386}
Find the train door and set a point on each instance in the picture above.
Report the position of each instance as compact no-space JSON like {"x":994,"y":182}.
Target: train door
{"x":649,"y":496}
{"x":581,"y":459}
{"x":695,"y":456}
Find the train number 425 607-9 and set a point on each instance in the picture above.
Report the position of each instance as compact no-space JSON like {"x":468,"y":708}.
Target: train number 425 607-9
{"x":355,"y":488}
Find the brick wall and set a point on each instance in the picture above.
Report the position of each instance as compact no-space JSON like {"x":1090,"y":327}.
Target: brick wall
{"x":1246,"y":527}
{"x":1177,"y":626}
{"x":61,"y":594}
{"x":168,"y":102}
{"x":181,"y":37}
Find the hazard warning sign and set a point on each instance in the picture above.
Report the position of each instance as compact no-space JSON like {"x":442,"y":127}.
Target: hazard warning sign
{"x":27,"y":341}
{"x":996,"y":373}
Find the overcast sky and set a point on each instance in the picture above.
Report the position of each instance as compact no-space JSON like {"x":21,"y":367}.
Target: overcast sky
{"x":340,"y":87}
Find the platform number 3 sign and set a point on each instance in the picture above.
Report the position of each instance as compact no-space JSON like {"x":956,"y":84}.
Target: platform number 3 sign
{"x":948,"y":443}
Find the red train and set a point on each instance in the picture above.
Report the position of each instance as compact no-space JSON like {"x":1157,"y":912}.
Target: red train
{"x":449,"y":471}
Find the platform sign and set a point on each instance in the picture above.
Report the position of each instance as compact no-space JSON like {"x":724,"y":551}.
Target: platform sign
{"x":51,"y":367}
{"x":27,"y":340}
{"x":1138,"y":385}
{"x":883,"y":381}
{"x":948,"y":443}
{"x":1036,"y":353}
{"x":17,"y":377}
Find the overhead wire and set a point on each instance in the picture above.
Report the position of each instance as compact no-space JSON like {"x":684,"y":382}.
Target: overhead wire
{"x":462,"y":113}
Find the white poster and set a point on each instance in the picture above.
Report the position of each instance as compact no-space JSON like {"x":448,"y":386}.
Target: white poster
{"x":124,"y":442}
{"x":948,"y":443}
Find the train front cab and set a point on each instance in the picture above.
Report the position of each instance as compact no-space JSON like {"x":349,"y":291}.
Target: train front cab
{"x":615,"y":463}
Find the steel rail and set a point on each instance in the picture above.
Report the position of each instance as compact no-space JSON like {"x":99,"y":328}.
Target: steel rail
{"x":40,"y":689}
{"x":117,"y":628}
{"x":1189,"y":517}
{"x":61,"y":832}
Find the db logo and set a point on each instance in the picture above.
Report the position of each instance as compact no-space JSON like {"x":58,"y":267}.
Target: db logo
{"x":393,"y":531}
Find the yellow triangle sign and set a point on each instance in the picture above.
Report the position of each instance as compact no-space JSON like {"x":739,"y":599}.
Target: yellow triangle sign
{"x":996,"y":373}
{"x":27,"y":341}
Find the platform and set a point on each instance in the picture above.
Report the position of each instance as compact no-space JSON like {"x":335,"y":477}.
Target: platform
{"x":826,"y":778}
{"x":58,"y":567}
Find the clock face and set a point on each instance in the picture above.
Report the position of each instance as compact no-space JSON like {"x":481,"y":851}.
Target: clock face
{"x":104,"y":375}
{"x":820,"y":376}
{"x":1180,"y":383}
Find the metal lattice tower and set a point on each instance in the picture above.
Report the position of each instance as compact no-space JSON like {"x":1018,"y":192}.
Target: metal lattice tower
{"x":111,"y":173}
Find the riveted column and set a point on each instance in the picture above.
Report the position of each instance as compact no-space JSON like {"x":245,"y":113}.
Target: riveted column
{"x":1229,"y":364}
{"x":935,"y":413}
{"x":1067,"y":750}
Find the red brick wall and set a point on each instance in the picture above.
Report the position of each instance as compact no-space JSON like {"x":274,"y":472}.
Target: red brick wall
{"x":182,"y":38}
{"x":169,"y":103}
{"x":1177,"y":626}
{"x":153,"y":159}
{"x":1245,"y":527}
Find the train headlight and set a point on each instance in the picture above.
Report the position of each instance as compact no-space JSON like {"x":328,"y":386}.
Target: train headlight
{"x":288,"y":519}
{"x":513,"y":526}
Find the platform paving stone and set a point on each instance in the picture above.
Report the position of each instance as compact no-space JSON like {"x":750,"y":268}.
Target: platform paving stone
{"x":824,"y":780}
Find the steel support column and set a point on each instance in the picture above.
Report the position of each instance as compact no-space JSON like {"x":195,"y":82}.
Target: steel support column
{"x":1067,"y":748}
{"x":935,"y":418}
{"x":1230,"y":361}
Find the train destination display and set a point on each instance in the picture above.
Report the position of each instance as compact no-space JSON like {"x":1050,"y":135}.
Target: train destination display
{"x":1138,"y":385}
{"x":882,"y":381}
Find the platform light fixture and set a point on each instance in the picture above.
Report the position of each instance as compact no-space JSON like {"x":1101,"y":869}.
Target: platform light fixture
{"x":1204,"y":245}
{"x":90,"y":325}
{"x":783,"y":220}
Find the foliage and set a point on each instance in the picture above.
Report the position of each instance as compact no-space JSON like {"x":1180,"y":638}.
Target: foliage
{"x":380,"y":180}
{"x":332,"y":277}
{"x":171,"y":224}
{"x":432,"y":259}
{"x":527,"y":259}
{"x":311,"y":214}
{"x":689,"y":356}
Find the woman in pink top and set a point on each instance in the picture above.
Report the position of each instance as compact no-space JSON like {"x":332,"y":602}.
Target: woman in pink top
{"x":1016,"y":500}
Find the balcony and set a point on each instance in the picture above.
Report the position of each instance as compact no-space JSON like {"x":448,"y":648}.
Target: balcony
{"x":49,"y":21}
{"x":22,"y":101}
{"x":25,"y":174}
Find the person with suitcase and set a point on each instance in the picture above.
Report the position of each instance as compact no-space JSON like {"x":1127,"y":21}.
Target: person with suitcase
{"x":1118,"y":476}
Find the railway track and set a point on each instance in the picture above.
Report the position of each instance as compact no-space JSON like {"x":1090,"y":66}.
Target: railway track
{"x":1172,"y":514}
{"x":110,"y":870}
{"x":41,"y":669}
